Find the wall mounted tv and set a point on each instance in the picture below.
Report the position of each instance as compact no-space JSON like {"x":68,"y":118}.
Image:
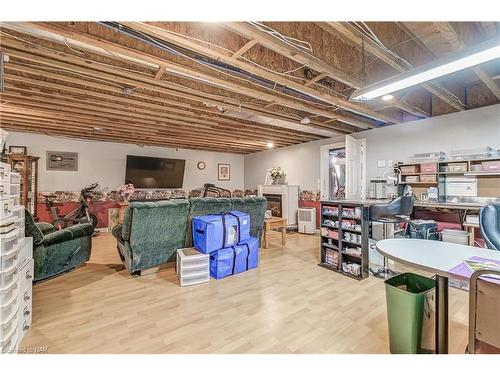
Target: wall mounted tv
{"x":154,"y":173}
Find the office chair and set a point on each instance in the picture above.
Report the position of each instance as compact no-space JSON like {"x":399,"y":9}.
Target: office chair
{"x":484,"y":310}
{"x":489,"y":222}
{"x":394,"y":212}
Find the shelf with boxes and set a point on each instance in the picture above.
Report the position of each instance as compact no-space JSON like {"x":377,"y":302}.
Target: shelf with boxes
{"x":16,"y":264}
{"x":455,"y":176}
{"x":344,"y":238}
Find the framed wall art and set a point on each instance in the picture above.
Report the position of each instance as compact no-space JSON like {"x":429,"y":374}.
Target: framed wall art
{"x":224,"y":172}
{"x":62,"y":161}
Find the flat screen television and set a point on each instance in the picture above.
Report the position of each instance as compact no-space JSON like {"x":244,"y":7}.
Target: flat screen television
{"x":154,"y":173}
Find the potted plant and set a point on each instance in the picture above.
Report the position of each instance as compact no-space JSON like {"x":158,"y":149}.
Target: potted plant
{"x":277,"y":175}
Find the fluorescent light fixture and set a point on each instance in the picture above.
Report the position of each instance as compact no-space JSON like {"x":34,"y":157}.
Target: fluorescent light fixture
{"x":387,"y":97}
{"x":451,"y":63}
{"x":270,"y":144}
{"x":305,"y":120}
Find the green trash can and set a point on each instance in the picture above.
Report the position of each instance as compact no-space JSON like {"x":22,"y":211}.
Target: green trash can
{"x":408,"y":295}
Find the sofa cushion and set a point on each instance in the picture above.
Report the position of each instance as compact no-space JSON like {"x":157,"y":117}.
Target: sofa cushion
{"x":158,"y":229}
{"x":67,"y":234}
{"x":31,"y":229}
{"x":127,"y":223}
{"x":202,"y":207}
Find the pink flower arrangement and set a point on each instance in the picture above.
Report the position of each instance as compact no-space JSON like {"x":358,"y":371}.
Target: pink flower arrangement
{"x":126,"y":191}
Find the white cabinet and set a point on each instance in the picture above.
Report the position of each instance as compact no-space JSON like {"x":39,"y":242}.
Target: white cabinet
{"x":16,"y":266}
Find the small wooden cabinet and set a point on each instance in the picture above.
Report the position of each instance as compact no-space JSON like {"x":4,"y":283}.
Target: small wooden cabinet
{"x":27,"y":167}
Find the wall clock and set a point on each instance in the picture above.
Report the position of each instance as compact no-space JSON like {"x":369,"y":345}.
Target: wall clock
{"x":201,"y":165}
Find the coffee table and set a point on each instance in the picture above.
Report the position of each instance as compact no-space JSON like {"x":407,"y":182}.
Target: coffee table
{"x":274,"y":223}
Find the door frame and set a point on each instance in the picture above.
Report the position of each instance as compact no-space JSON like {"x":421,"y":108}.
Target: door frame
{"x":324,"y":187}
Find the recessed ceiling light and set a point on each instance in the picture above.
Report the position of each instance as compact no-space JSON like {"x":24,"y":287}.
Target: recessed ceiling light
{"x":97,"y":129}
{"x":270,"y":144}
{"x":305,"y":120}
{"x":387,"y":97}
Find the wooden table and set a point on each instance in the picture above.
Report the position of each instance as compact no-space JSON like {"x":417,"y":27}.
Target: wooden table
{"x":274,"y":223}
{"x":439,"y":258}
{"x":471,"y":228}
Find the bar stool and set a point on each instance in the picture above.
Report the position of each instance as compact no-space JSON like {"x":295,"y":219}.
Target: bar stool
{"x":394,"y":212}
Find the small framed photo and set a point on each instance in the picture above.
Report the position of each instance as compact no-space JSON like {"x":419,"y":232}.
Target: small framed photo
{"x":18,"y":150}
{"x":224,"y":172}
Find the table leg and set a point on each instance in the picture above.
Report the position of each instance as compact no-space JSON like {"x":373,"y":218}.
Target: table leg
{"x":441,"y":332}
{"x":266,"y":235}
{"x":283,"y":235}
{"x":472,"y":235}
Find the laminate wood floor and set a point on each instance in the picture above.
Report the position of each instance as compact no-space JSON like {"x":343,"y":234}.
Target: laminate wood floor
{"x":287,"y":305}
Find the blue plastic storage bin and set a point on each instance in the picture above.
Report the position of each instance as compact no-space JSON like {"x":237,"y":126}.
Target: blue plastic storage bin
{"x":214,"y":232}
{"x":234,"y":259}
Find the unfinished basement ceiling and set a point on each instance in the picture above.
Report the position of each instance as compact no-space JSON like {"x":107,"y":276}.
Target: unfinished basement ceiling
{"x":229,"y":86}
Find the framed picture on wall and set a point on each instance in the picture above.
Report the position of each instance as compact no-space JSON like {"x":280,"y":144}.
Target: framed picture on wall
{"x":62,"y":161}
{"x":18,"y":150}
{"x":224,"y":172}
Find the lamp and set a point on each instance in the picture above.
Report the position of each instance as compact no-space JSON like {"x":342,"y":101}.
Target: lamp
{"x":451,"y":63}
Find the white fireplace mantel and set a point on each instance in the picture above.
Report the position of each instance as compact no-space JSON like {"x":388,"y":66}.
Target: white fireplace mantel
{"x":289,"y":200}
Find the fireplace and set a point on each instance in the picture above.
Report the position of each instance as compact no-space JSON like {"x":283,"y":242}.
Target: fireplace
{"x":274,"y":203}
{"x":282,"y":200}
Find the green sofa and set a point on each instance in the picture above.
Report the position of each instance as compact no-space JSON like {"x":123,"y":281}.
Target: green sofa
{"x":57,"y":252}
{"x":151,"y":232}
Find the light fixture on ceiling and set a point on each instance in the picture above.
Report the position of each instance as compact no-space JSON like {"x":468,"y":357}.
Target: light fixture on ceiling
{"x":97,"y":129}
{"x":270,"y":144}
{"x":128,"y":90}
{"x":305,"y":120}
{"x":387,"y":97}
{"x":451,"y":63}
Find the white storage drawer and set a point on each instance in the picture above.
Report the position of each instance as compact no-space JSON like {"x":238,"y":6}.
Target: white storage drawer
{"x":4,"y":190}
{"x":193,"y":280}
{"x":18,"y":211}
{"x":6,"y":208}
{"x":4,"y":172}
{"x":15,"y":178}
{"x":15,"y":189}
{"x":8,"y":276}
{"x":192,"y":266}
{"x":10,"y":258}
{"x":8,"y":241}
{"x":25,"y":297}
{"x":19,"y":224}
{"x":9,"y":323}
{"x":8,"y":292}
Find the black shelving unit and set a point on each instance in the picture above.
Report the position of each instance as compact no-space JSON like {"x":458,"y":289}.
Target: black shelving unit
{"x":337,"y":246}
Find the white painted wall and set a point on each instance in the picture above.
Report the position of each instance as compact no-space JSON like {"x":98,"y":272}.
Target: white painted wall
{"x":473,"y":128}
{"x":105,"y":162}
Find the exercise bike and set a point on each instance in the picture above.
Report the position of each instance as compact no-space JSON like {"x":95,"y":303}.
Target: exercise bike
{"x":81,"y":214}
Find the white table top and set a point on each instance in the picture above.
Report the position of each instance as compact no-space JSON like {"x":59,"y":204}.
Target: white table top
{"x":433,"y":256}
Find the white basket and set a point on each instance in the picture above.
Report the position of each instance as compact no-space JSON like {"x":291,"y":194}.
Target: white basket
{"x":192,"y":266}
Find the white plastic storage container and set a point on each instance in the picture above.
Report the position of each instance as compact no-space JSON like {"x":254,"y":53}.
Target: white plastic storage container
{"x":8,"y":241}
{"x":192,"y":266}
{"x":15,"y":178}
{"x":456,"y":236}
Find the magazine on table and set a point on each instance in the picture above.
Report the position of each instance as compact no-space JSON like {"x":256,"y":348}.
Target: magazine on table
{"x":476,"y":265}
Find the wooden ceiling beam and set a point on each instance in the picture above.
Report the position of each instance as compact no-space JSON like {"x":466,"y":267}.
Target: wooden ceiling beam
{"x":159,"y":73}
{"x":36,"y":127}
{"x":192,"y":74}
{"x":97,"y":117}
{"x":319,"y":77}
{"x":166,"y":36}
{"x":85,"y":66}
{"x":244,"y":49}
{"x":95,"y":97}
{"x":105,"y":108}
{"x":351,"y":36}
{"x":84,"y":127}
{"x":451,"y":36}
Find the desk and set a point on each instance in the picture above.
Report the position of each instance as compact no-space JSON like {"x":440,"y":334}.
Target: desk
{"x":471,"y":228}
{"x":436,"y":257}
{"x":274,"y":223}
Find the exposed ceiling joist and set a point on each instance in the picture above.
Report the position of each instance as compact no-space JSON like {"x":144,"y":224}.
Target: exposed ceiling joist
{"x":352,"y":36}
{"x":169,"y":37}
{"x":307,"y":59}
{"x":192,"y":74}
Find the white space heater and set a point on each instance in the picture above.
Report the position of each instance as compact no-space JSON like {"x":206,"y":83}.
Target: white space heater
{"x":307,"y":220}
